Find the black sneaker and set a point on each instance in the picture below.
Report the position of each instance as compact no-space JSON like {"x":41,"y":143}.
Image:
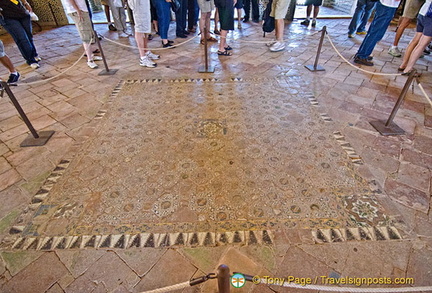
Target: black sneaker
{"x":363,"y":61}
{"x":13,"y":78}
{"x":111,"y":27}
{"x":305,"y":22}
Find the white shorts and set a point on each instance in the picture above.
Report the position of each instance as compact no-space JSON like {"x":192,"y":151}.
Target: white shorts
{"x":141,"y":15}
{"x":206,"y":6}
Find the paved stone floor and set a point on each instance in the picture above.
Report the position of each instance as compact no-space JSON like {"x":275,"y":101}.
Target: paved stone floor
{"x":156,"y":176}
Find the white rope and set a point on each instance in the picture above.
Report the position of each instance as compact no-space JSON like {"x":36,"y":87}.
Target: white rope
{"x":169,"y":288}
{"x":350,"y":289}
{"x":152,"y":49}
{"x":424,"y":92}
{"x":55,"y":76}
{"x":343,"y":58}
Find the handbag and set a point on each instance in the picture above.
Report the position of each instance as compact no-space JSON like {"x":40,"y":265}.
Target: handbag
{"x":175,"y":5}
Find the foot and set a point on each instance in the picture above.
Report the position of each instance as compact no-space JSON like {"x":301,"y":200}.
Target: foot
{"x":167,"y":45}
{"x":92,"y":64}
{"x":313,"y":23}
{"x":35,"y":65}
{"x":97,"y":58}
{"x":224,"y":53}
{"x":255,"y":20}
{"x":147,"y":62}
{"x":395,"y":52}
{"x":123,"y":35}
{"x":211,"y":39}
{"x":37,"y":58}
{"x":13,"y":78}
{"x":350,"y":36}
{"x":111,"y":27}
{"x":278,"y":46}
{"x":239,"y":26}
{"x":305,"y":22}
{"x":183,"y":36}
{"x":363,"y":61}
{"x":245,"y":20}
{"x":152,"y":56}
{"x":269,"y":44}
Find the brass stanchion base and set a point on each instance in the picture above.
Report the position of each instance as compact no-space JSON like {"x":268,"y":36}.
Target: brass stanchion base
{"x":44,"y":136}
{"x":392,"y":129}
{"x":313,"y":68}
{"x":109,"y":72}
{"x":203,"y":69}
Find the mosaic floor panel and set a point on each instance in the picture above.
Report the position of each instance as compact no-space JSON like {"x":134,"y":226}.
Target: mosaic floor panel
{"x":207,"y":156}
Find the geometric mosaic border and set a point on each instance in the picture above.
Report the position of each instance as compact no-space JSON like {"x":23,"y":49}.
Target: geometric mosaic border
{"x":140,"y":240}
{"x":355,"y":234}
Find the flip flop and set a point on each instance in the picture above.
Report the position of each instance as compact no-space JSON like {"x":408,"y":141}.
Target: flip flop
{"x":224,"y":53}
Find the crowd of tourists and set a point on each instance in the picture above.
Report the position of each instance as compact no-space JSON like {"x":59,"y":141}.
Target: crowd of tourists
{"x":154,"y":16}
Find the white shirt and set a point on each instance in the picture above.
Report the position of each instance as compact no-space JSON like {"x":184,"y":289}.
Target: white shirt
{"x":425,"y":7}
{"x":71,"y":9}
{"x":390,"y":3}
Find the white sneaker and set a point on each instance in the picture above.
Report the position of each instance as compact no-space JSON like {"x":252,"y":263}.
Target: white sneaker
{"x":123,"y":35}
{"x":37,"y":58}
{"x":152,"y":56}
{"x":395,"y":52}
{"x":271,"y":43}
{"x":35,"y":65}
{"x":147,"y":62}
{"x":91,"y":64}
{"x":278,"y":46}
{"x":97,"y":58}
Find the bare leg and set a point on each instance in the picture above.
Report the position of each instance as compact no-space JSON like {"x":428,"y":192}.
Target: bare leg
{"x":88,"y":51}
{"x":405,"y":21}
{"x":141,"y":39}
{"x":414,"y":51}
{"x":216,"y":20}
{"x":222,"y":40}
{"x":107,"y":13}
{"x":239,"y":13}
{"x":308,"y":11}
{"x":279,"y":29}
{"x":5,"y":60}
{"x":315,"y":11}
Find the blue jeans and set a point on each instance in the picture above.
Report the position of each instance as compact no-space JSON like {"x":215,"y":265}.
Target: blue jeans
{"x":181,"y":17}
{"x":21,"y":32}
{"x":361,"y":16}
{"x":377,"y":29}
{"x":163,"y":10}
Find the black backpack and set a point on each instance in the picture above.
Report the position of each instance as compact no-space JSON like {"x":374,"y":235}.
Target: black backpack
{"x":268,"y":21}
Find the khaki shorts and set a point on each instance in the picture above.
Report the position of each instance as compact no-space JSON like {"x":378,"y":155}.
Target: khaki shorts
{"x":84,"y":27}
{"x":206,"y":6}
{"x":279,"y":8}
{"x":412,"y":7}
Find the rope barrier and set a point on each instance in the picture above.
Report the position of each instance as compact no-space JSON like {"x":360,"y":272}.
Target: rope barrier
{"x":152,"y":49}
{"x":347,"y":61}
{"x":169,"y":288}
{"x":424,"y":92}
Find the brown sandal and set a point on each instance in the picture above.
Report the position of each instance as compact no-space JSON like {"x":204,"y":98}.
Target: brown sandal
{"x":211,"y":39}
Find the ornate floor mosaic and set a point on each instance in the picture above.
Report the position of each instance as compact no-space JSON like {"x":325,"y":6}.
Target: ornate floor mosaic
{"x":212,"y":157}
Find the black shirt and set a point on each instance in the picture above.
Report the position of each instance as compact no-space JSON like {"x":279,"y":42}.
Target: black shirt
{"x":13,"y":9}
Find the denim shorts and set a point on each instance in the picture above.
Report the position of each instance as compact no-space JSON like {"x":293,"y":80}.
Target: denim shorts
{"x":424,"y":25}
{"x":2,"y":53}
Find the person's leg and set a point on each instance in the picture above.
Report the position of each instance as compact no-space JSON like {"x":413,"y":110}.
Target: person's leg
{"x":255,"y":11}
{"x":246,"y":8}
{"x":369,"y":7}
{"x":107,"y":13}
{"x":417,"y":52}
{"x":15,"y":29}
{"x":377,"y":29}
{"x":279,"y":29}
{"x":5,"y":60}
{"x":308,"y":11}
{"x":409,"y":50}
{"x":222,"y":40}
{"x":401,"y":28}
{"x":239,"y":17}
{"x":316,"y":10}
{"x":164,"y":18}
{"x":27,"y":25}
{"x":359,"y":11}
{"x":181,"y":19}
{"x":216,"y":21}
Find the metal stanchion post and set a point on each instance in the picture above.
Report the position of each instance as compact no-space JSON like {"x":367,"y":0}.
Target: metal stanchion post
{"x":389,"y":127}
{"x":206,"y":68}
{"x":35,"y":139}
{"x":317,"y":67}
{"x":107,"y":71}
{"x":223,"y":279}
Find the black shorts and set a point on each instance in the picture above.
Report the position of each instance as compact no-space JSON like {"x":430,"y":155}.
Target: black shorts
{"x":314,"y":2}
